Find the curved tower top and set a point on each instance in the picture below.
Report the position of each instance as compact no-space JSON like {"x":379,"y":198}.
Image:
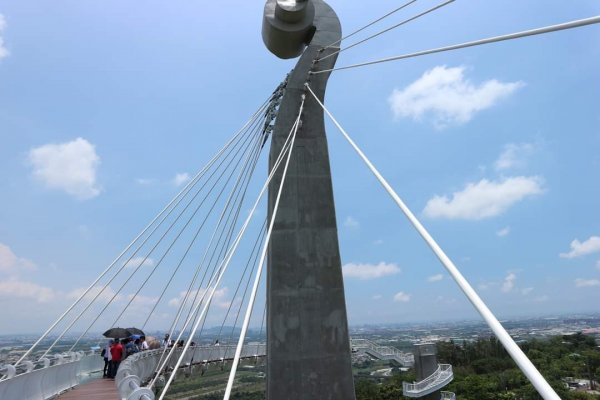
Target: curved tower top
{"x":308,"y":349}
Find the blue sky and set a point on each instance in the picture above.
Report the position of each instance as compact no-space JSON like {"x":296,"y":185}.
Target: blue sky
{"x":106,"y":108}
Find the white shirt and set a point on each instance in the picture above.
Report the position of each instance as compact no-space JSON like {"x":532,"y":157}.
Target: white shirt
{"x":107,"y":354}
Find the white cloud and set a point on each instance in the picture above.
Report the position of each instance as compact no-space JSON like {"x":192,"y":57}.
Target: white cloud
{"x":503,"y":232}
{"x":105,"y":295}
{"x":435,"y":278}
{"x":402,"y":297}
{"x":3,"y":50}
{"x":144,"y":181}
{"x":587,"y":282}
{"x":377,"y":297}
{"x":11,"y":264}
{"x":219,"y":298}
{"x":526,"y":291}
{"x":369,"y":271}
{"x":136,"y":261}
{"x":509,"y":282}
{"x":541,"y":299}
{"x":180,"y":179}
{"x":444,"y":300}
{"x":513,"y":156}
{"x":67,"y":166}
{"x":84,"y":231}
{"x":578,"y":249}
{"x":350,"y":222}
{"x":483,"y":199}
{"x":141,"y":302}
{"x":448,"y":96}
{"x":18,"y":289}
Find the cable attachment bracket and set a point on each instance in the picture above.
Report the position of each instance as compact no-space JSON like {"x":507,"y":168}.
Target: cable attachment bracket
{"x":272,"y":110}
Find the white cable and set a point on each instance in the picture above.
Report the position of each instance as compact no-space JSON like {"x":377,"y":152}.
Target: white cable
{"x":186,"y":298}
{"x":254,"y":156}
{"x":184,"y":303}
{"x":214,"y":285}
{"x":180,"y":194}
{"x":238,"y":350}
{"x":406,"y":21}
{"x":534,"y":376}
{"x":190,"y":316}
{"x":248,"y":156}
{"x":222,"y":268}
{"x":369,"y":24}
{"x":532,"y":32}
{"x":140,"y":265}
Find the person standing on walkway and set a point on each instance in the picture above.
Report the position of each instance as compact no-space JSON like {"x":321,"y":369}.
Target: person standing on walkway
{"x":107,"y":358}
{"x":144,"y":345}
{"x":116,"y":351}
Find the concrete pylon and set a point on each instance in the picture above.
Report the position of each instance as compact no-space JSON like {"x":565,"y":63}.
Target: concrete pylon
{"x":426,"y":363}
{"x":308,"y":349}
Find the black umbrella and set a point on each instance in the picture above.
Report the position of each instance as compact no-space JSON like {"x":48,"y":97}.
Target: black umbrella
{"x":117,"y":333}
{"x":136,"y":331}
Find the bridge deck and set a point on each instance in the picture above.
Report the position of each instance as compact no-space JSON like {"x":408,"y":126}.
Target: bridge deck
{"x":100,"y":389}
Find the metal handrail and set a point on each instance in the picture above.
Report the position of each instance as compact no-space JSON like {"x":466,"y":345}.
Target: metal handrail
{"x":45,"y":362}
{"x":404,"y":358}
{"x":47,"y":377}
{"x":448,"y":396}
{"x":138,"y":368}
{"x":437,"y":378}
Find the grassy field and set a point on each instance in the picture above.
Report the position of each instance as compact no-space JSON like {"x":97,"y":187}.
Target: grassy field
{"x":210,"y":383}
{"x":250,"y":380}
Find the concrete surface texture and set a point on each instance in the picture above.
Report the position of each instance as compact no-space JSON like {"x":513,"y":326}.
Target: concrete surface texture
{"x":308,"y":350}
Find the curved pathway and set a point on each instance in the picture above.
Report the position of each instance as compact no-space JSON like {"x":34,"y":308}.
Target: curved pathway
{"x":100,"y":389}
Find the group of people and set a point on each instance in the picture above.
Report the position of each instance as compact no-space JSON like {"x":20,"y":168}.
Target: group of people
{"x":117,"y":350}
{"x":166,"y":342}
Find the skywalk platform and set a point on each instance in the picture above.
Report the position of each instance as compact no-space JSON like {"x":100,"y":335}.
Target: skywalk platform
{"x":100,"y":389}
{"x":382,"y":352}
{"x":440,"y":378}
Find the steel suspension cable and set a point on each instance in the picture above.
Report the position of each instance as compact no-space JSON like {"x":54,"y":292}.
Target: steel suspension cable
{"x":227,"y":150}
{"x":228,"y":237}
{"x":180,"y":309}
{"x":524,"y":364}
{"x":225,"y":209}
{"x":388,"y":29}
{"x":253,"y":255}
{"x":213,"y":284}
{"x":98,"y":315}
{"x":188,"y":319}
{"x":191,"y":286}
{"x":369,"y":24}
{"x":238,"y":350}
{"x":262,"y":323}
{"x":198,"y":268}
{"x":243,"y":299}
{"x":256,"y":140}
{"x":210,"y":262}
{"x":222,"y":268}
{"x":225,"y":245}
{"x":517,"y":35}
{"x":162,"y":295}
{"x":128,"y":247}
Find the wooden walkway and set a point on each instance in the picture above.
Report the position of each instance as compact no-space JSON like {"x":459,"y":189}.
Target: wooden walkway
{"x":100,"y":389}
